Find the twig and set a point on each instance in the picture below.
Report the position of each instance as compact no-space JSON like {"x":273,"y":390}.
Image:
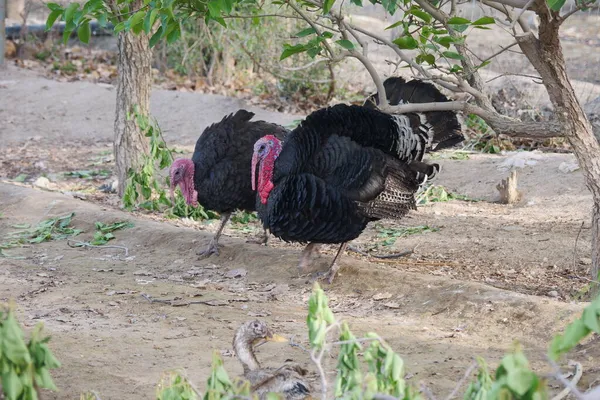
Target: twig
{"x":569,"y":385}
{"x":576,"y":378}
{"x":427,"y":392}
{"x":520,"y":14}
{"x":515,"y":74}
{"x":467,"y":375}
{"x":575,"y":246}
{"x":292,"y":343}
{"x":104,"y":246}
{"x":384,"y":256}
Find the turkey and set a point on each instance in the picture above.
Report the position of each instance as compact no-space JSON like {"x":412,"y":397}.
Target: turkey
{"x":288,"y":380}
{"x":345,"y":166}
{"x":217,"y":175}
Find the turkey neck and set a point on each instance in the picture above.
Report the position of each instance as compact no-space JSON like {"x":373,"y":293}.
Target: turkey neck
{"x":243,"y":350}
{"x":265,"y":176}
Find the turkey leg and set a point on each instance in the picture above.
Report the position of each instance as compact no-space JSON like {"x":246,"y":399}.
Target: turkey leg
{"x":333,"y":269}
{"x":213,"y":247}
{"x":310,"y":252}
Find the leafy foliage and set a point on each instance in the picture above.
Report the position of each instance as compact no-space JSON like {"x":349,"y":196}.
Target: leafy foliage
{"x":104,"y":232}
{"x":439,"y":194}
{"x":144,"y":189}
{"x":577,"y":330}
{"x":23,"y":367}
{"x":389,"y":235}
{"x":57,"y":228}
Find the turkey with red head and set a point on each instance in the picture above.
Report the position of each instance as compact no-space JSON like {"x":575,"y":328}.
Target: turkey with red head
{"x":345,"y":166}
{"x":217,"y":175}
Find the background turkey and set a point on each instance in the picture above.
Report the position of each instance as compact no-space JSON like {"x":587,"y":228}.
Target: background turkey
{"x":345,"y":166}
{"x":217,"y":175}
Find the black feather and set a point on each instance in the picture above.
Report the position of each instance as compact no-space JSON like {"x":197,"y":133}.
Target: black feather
{"x":222,"y":159}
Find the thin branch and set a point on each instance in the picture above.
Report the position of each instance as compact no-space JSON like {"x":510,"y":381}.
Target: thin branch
{"x":574,"y":381}
{"x":522,"y":23}
{"x":565,"y":382}
{"x":467,"y":376}
{"x":539,"y":79}
{"x":75,"y":243}
{"x":502,"y":50}
{"x":520,"y":14}
{"x":577,"y":9}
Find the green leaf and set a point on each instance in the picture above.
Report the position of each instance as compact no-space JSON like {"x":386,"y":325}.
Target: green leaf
{"x":421,"y":14}
{"x":174,"y":34}
{"x":556,"y":5}
{"x":54,"y":6}
{"x":305,"y":32}
{"x":136,"y":21}
{"x":52,"y":18}
{"x":84,"y":32}
{"x":149,"y":20}
{"x":453,"y":55}
{"x":214,"y":8}
{"x":67,"y":34}
{"x":356,"y":2}
{"x":119,"y":27}
{"x":348,"y":45}
{"x":428,"y":58}
{"x":458,"y":21}
{"x":12,"y":385}
{"x":156,"y":37}
{"x":327,"y":35}
{"x":70,"y":11}
{"x":313,"y":51}
{"x":395,"y":24}
{"x":327,"y":4}
{"x":484,"y":21}
{"x":289,"y":50}
{"x":406,"y":42}
{"x":591,"y":320}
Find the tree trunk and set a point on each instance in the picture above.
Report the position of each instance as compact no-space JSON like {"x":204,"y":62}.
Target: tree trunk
{"x":546,"y":55}
{"x":133,"y":90}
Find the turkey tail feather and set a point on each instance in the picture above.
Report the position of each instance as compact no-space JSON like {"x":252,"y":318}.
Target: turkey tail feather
{"x":442,"y":127}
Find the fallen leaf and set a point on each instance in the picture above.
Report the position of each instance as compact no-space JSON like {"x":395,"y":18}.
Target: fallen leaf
{"x":236,"y":273}
{"x":392,"y":305}
{"x":382,"y":296}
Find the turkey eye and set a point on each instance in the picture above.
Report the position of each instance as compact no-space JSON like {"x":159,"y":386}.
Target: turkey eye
{"x":262,"y":148}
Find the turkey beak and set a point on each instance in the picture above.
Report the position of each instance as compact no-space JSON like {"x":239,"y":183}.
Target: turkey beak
{"x":271,"y":337}
{"x":254,"y":163}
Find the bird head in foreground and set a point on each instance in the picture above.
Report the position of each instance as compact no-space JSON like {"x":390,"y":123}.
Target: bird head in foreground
{"x":182,"y":174}
{"x":266,"y":151}
{"x":255,"y":333}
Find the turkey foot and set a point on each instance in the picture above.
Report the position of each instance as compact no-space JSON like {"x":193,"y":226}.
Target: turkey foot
{"x":213,"y":247}
{"x":262,"y":240}
{"x":310,"y":252}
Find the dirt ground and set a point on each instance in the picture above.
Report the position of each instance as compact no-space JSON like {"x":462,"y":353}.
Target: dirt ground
{"x":481,"y":274}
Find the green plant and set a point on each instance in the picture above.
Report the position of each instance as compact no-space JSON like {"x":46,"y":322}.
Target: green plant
{"x":174,"y":386}
{"x":439,"y":194}
{"x":389,"y":235}
{"x":104,"y":232}
{"x":145,"y":190}
{"x":57,"y":228}
{"x":244,"y":217}
{"x":143,"y":185}
{"x":23,"y":367}
{"x":88,"y":174}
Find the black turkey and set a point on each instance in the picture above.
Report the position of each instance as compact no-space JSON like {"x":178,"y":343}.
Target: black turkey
{"x":217,"y":175}
{"x":343,"y":167}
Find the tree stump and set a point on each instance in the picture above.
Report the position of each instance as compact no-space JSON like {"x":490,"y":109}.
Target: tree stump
{"x":508,"y":189}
